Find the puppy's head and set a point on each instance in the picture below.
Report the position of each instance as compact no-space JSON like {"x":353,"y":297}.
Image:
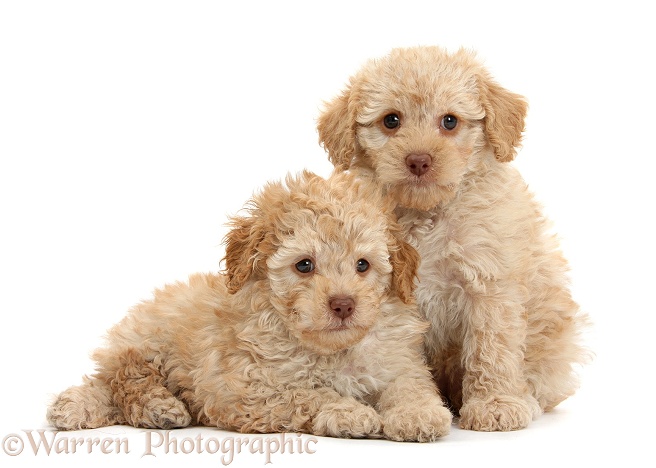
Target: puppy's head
{"x":420,"y":120}
{"x":325,"y":253}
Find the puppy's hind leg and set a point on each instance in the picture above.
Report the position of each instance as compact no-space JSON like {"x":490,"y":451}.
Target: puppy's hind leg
{"x":85,"y":406}
{"x":138,"y":390}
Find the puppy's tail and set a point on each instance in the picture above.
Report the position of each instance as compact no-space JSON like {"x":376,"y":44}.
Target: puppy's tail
{"x":85,"y":406}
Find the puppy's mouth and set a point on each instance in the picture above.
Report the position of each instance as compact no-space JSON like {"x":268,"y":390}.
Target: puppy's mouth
{"x":335,"y":326}
{"x":422,"y":193}
{"x":340,"y":327}
{"x":427,"y":181}
{"x":338,"y":324}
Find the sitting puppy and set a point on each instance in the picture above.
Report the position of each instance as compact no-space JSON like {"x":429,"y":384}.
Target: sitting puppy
{"x":436,"y":133}
{"x":312,"y":329}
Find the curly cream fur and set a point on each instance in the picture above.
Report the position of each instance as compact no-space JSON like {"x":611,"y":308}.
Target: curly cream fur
{"x":259,"y":350}
{"x":492,"y":282}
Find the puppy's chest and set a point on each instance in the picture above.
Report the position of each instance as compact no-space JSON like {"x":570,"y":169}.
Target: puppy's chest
{"x":359,"y":372}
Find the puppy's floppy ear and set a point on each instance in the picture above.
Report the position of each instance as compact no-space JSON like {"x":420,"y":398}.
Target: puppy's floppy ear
{"x":243,"y":252}
{"x":405,"y":262}
{"x":504,"y":118}
{"x":336,"y":127}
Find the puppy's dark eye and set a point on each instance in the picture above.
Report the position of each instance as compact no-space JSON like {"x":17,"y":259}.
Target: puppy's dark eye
{"x":449,"y":122}
{"x":362,"y":265}
{"x":305,"y":266}
{"x":391,"y":121}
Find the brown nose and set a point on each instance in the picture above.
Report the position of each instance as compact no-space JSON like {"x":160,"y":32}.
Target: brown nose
{"x":342,"y":306}
{"x":418,"y":163}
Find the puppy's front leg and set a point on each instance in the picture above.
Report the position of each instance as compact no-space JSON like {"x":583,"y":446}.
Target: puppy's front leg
{"x":494,"y":390}
{"x":320,"y":411}
{"x":346,"y":417}
{"x":412,"y":410}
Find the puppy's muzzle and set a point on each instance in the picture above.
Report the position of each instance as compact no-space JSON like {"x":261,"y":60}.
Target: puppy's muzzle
{"x":418,"y":164}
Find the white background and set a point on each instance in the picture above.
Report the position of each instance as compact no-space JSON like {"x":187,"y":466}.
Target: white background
{"x":130,"y":130}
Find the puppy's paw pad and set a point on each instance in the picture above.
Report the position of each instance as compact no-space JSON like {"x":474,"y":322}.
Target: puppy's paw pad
{"x":418,"y":423}
{"x":166,"y":413}
{"x":347,"y":421}
{"x":497,"y":414}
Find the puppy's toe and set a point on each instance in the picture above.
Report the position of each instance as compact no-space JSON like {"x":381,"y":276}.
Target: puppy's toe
{"x":418,"y":423}
{"x":347,"y":420}
{"x":500,"y":413}
{"x":166,"y":413}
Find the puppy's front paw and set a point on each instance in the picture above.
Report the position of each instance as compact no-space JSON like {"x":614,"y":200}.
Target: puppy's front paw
{"x":419,"y":423}
{"x":165,"y":413}
{"x":350,"y":419}
{"x":500,"y":413}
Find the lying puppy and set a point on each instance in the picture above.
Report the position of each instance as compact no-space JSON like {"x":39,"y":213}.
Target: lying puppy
{"x":312,"y":329}
{"x":436,"y":133}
